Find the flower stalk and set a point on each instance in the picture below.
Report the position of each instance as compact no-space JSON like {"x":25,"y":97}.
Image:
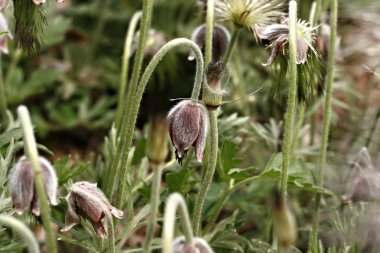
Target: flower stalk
{"x":32,"y":155}
{"x":154,"y":201}
{"x":23,"y":230}
{"x":231,"y":46}
{"x":292,"y":93}
{"x":138,"y":96}
{"x":174,"y":202}
{"x":3,"y":102}
{"x":326,"y":119}
{"x":209,"y":31}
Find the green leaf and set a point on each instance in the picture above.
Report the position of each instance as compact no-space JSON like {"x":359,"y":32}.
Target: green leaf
{"x":67,"y":168}
{"x":178,"y":181}
{"x":11,"y":134}
{"x":228,"y":158}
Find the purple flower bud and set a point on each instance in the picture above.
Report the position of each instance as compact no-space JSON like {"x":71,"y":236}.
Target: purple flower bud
{"x":3,"y":4}
{"x":21,"y":184}
{"x":87,"y":201}
{"x":4,"y":37}
{"x":188,"y":125}
{"x":199,"y":246}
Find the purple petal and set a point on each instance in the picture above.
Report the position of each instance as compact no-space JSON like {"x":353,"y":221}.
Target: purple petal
{"x":50,"y":180}
{"x":302,"y":48}
{"x":276,"y":49}
{"x":200,"y":142}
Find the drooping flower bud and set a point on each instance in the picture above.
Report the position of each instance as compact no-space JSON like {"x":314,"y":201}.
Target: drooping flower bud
{"x":21,"y":184}
{"x":284,"y":222}
{"x":157,"y":143}
{"x":87,"y":201}
{"x":199,"y":246}
{"x":4,"y":37}
{"x":220,"y":40}
{"x":188,"y":125}
{"x":154,"y":41}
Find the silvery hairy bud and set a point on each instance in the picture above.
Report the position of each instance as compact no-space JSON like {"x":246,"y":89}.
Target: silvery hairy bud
{"x":157,"y":149}
{"x":284,"y":222}
{"x":199,"y":246}
{"x":21,"y":184}
{"x":87,"y":201}
{"x":188,"y":124}
{"x":4,"y":28}
{"x":212,"y":92}
{"x":220,"y":40}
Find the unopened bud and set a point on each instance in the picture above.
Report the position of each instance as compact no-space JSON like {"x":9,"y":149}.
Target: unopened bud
{"x":212,"y":91}
{"x":199,"y":246}
{"x":4,"y":28}
{"x":284,"y":222}
{"x":87,"y":201}
{"x":188,"y":125}
{"x":157,"y":145}
{"x":22,"y":187}
{"x":220,"y":40}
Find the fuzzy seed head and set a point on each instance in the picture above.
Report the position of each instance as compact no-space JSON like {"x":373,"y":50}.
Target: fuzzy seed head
{"x":21,"y":184}
{"x":188,"y":124}
{"x":249,"y":13}
{"x":87,"y":201}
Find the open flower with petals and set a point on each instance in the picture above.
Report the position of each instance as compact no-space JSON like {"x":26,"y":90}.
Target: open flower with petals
{"x":249,"y":13}
{"x":188,"y":125}
{"x":278,"y":35}
{"x":87,"y":201}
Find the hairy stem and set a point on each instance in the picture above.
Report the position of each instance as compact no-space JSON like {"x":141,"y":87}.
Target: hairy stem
{"x":138,"y":96}
{"x":300,"y":117}
{"x":3,"y":102}
{"x":231,"y":45}
{"x":174,"y":201}
{"x":289,"y":116}
{"x":154,"y":202}
{"x":23,"y":230}
{"x":206,"y":182}
{"x":125,"y":65}
{"x":209,"y":31}
{"x":32,"y":155}
{"x":326,"y":119}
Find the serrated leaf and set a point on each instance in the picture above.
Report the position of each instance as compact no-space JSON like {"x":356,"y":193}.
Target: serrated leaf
{"x":228,"y":157}
{"x":177,"y":180}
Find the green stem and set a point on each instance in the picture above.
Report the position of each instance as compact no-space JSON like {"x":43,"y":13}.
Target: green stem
{"x":231,"y":45}
{"x":326,"y":119}
{"x":130,"y":100}
{"x":125,"y":67}
{"x":3,"y":102}
{"x":217,"y":209}
{"x":209,"y":32}
{"x":32,"y":155}
{"x":316,"y":12}
{"x":300,"y":117}
{"x":206,"y":182}
{"x":111,"y":237}
{"x":138,"y":96}
{"x":154,"y":201}
{"x":289,"y":116}
{"x":12,"y":67}
{"x":175,"y":200}
{"x":23,"y":230}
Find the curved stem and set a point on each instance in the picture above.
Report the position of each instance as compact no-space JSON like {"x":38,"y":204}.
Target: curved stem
{"x":138,"y":96}
{"x":154,"y":201}
{"x":231,"y":45}
{"x":3,"y":102}
{"x":130,"y":99}
{"x":174,"y":201}
{"x":211,"y":165}
{"x":32,"y":155}
{"x":326,"y":119}
{"x":23,"y":230}
{"x":289,"y":116}
{"x":209,"y":32}
{"x":125,"y":65}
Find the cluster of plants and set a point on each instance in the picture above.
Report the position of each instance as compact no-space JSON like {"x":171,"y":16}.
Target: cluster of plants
{"x":230,"y":148}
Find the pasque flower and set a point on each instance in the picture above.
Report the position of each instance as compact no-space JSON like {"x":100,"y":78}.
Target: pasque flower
{"x":87,"y":201}
{"x":199,"y":246}
{"x":23,"y":191}
{"x":220,"y":39}
{"x":4,"y":28}
{"x":188,"y":125}
{"x":248,"y":13}
{"x":278,"y":35}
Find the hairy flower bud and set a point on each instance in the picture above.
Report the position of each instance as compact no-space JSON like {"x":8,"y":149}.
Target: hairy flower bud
{"x":87,"y":201}
{"x":157,"y":143}
{"x":212,"y":92}
{"x":220,"y":40}
{"x":188,"y":125}
{"x":199,"y":246}
{"x":22,"y":188}
{"x":284,"y":222}
{"x":4,"y":28}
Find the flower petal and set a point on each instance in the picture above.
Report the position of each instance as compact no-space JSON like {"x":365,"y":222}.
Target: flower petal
{"x":276,"y":49}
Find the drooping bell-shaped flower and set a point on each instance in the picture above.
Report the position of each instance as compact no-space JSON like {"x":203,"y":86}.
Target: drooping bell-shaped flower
{"x":87,"y":201}
{"x":278,"y":35}
{"x":220,"y":40}
{"x":4,"y":28}
{"x":199,"y":246}
{"x":21,"y":184}
{"x":188,"y":124}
